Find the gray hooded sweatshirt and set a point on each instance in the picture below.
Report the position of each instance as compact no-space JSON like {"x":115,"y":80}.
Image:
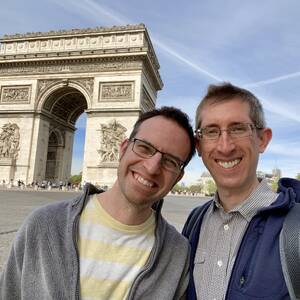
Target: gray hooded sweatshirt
{"x":44,"y":262}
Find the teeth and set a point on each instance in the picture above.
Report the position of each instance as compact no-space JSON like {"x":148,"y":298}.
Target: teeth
{"x":228,"y":164}
{"x":143,"y":180}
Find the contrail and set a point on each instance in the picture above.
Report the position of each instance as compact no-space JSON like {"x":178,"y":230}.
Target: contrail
{"x":272,"y":80}
{"x":96,"y":9}
{"x":281,"y":110}
{"x":185,"y":60}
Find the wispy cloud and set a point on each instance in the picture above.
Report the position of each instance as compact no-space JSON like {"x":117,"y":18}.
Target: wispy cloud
{"x":96,"y":10}
{"x":92,"y":9}
{"x":272,"y":80}
{"x":290,"y":150}
{"x":282,"y":110}
{"x":184,"y":60}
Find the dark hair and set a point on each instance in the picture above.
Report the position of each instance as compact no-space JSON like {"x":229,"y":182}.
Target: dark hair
{"x":226,"y":92}
{"x":171,"y":113}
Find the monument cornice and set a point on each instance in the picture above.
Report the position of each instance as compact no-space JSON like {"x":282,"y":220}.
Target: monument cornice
{"x":17,"y":113}
{"x":74,"y":31}
{"x":79,"y":64}
{"x":111,"y":110}
{"x":76,"y":54}
{"x":100,"y":41}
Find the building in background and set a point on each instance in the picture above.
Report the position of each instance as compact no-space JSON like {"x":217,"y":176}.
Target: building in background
{"x":48,"y":80}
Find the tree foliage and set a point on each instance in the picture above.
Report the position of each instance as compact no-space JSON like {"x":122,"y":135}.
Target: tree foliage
{"x":195,"y":188}
{"x":76,"y":179}
{"x":210,"y":187}
{"x":274,"y":184}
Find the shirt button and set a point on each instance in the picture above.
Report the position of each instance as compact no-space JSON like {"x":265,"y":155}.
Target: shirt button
{"x":226,"y":227}
{"x":220,"y":263}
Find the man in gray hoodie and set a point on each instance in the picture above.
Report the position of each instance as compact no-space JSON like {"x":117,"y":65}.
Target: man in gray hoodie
{"x":113,"y":244}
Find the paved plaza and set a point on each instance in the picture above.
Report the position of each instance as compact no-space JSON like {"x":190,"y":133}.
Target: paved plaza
{"x":15,"y":205}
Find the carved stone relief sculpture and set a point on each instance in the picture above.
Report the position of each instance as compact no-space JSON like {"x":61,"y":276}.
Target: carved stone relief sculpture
{"x":9,"y":141}
{"x":116,"y":91}
{"x":86,"y":83}
{"x":15,"y":94}
{"x":111,"y":137}
{"x":72,"y":67}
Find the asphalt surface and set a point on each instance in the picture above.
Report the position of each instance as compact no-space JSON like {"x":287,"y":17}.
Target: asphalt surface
{"x":15,"y":205}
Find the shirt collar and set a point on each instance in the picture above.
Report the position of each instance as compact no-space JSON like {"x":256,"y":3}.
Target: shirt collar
{"x":261,"y":196}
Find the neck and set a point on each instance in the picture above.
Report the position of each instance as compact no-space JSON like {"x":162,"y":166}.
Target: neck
{"x":117,"y":206}
{"x":230,"y":198}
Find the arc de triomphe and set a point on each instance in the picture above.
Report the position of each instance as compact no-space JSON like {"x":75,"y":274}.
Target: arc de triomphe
{"x":47,"y":80}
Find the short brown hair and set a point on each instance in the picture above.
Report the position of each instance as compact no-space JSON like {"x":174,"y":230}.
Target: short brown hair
{"x":227,"y":91}
{"x":174,"y":114}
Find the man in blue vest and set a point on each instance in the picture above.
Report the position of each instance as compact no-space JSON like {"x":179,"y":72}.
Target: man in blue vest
{"x":235,"y":237}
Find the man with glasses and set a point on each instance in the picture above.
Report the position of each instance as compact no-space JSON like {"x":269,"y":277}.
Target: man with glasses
{"x":235,"y":237}
{"x":113,"y":244}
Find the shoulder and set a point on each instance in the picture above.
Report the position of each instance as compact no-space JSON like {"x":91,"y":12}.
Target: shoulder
{"x":50,"y":210}
{"x":48,"y":216}
{"x":173,"y":239}
{"x":194,"y":217}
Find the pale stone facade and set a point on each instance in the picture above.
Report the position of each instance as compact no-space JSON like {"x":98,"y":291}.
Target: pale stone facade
{"x":48,"y":79}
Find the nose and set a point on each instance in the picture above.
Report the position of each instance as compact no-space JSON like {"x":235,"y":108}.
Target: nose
{"x":225,"y":144}
{"x":153,"y":164}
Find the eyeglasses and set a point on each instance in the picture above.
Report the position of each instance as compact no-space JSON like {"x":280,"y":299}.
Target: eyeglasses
{"x":146,"y":150}
{"x":235,"y":131}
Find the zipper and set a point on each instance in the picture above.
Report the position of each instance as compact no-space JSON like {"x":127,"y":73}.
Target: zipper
{"x":147,"y":267}
{"x":75,"y":237}
{"x":243,"y":278}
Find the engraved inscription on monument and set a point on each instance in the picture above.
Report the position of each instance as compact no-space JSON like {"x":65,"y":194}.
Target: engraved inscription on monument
{"x":117,"y":91}
{"x":15,"y":94}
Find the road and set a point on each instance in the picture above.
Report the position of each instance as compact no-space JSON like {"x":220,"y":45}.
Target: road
{"x":15,"y":205}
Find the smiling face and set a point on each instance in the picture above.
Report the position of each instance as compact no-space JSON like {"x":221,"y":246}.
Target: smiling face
{"x":144,"y":181}
{"x":232,"y":162}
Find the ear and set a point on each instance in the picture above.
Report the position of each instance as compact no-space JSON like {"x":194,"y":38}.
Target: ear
{"x":123,"y":147}
{"x":264,"y":137}
{"x":179,"y":177}
{"x":198,"y":146}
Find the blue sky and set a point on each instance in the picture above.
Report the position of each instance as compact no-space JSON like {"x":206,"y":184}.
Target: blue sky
{"x":253,"y":44}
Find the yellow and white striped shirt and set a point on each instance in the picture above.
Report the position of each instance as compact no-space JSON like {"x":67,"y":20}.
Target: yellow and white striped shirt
{"x":111,"y":253}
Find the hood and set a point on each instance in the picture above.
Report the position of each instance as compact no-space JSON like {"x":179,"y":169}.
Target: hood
{"x":290,"y":185}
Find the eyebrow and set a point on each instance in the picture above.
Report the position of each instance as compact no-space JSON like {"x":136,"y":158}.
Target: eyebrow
{"x":230,"y":124}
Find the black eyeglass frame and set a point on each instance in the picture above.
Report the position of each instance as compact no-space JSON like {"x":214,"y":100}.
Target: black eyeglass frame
{"x":180,"y":163}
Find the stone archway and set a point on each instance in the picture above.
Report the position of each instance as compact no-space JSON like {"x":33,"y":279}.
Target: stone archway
{"x":48,"y":79}
{"x":63,"y":107}
{"x":52,"y":158}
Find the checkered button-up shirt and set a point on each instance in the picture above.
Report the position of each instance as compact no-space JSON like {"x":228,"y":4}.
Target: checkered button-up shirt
{"x":220,"y":238}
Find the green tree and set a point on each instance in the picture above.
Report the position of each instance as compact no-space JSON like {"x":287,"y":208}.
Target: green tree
{"x":178,"y":188}
{"x":298,"y":176}
{"x":195,"y":188}
{"x":274,"y":184}
{"x":210,"y":187}
{"x":76,"y":179}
